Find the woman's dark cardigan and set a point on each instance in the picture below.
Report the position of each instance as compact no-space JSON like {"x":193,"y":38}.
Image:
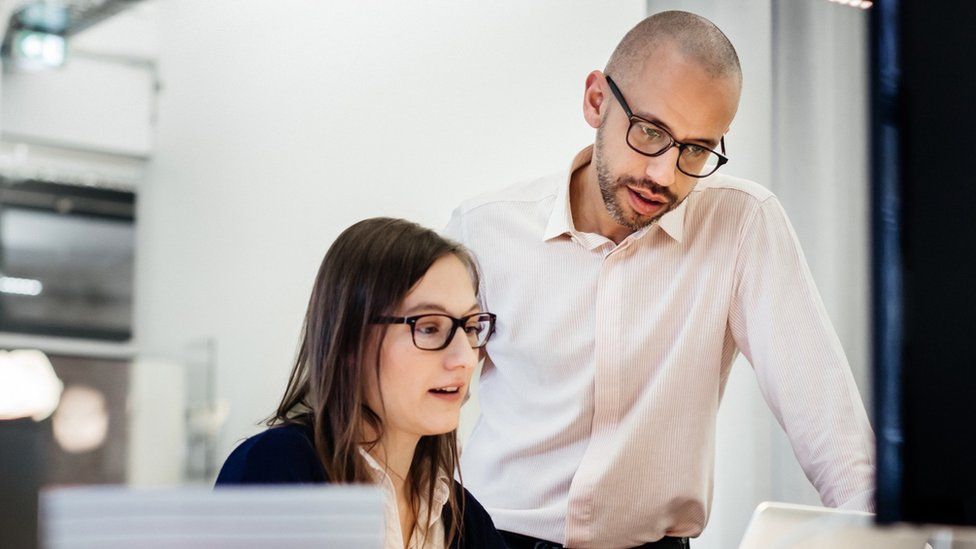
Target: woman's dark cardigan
{"x":286,"y":455}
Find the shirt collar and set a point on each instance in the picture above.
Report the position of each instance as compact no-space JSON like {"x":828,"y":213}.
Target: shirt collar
{"x":442,"y":488}
{"x":673,"y":222}
{"x":561,"y":217}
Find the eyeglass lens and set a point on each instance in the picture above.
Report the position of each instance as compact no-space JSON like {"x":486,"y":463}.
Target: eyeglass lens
{"x":432,"y":332}
{"x":651,"y":139}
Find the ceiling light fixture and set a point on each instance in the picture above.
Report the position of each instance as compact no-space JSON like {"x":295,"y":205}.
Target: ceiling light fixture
{"x":20,"y":286}
{"x":35,"y":38}
{"x":863,"y":4}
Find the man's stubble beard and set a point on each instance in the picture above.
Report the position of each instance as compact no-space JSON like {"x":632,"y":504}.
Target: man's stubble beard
{"x":609,"y":187}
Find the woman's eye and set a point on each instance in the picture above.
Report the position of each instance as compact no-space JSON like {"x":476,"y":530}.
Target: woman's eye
{"x":473,"y":329}
{"x":428,"y":329}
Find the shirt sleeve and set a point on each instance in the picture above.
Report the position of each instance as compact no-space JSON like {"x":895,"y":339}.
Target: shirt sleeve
{"x":780,"y":324}
{"x":453,"y":228}
{"x":456,"y":231}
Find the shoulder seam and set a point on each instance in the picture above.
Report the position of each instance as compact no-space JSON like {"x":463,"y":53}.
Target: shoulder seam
{"x":468,"y":209}
{"x":752,"y":217}
{"x":760,"y":199}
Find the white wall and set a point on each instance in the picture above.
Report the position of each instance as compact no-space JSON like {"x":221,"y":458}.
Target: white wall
{"x":820,"y":172}
{"x":281,"y":123}
{"x":92,"y":103}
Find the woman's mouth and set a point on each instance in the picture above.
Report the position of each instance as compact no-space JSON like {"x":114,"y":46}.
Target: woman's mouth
{"x":447,"y":392}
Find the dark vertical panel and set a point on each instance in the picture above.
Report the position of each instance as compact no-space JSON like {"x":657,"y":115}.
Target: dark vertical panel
{"x":924,"y":205}
{"x":939,"y":242}
{"x":21,"y":470}
{"x":886,"y":256}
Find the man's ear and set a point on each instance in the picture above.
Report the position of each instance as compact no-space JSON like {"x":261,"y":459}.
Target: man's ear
{"x":595,"y":99}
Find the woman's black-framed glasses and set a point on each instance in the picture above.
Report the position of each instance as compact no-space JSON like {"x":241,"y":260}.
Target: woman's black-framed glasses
{"x":650,"y":139}
{"x":434,"y":331}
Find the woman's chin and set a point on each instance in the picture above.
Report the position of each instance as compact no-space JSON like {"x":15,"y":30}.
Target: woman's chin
{"x":434,"y":428}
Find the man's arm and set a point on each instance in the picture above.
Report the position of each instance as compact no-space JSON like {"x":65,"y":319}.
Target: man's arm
{"x":780,"y":324}
{"x":453,"y":228}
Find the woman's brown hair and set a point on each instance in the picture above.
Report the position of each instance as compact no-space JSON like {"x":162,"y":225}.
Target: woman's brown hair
{"x":367,"y":272}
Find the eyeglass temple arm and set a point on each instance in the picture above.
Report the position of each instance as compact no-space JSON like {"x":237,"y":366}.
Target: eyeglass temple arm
{"x":393,"y":320}
{"x":620,"y":98}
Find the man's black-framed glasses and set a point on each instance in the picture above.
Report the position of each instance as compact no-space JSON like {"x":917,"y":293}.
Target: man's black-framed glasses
{"x":434,"y":331}
{"x":650,"y":139}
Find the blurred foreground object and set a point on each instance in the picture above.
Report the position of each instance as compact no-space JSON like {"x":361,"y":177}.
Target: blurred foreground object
{"x":28,"y":385}
{"x":923,"y":269}
{"x":350,"y":517}
{"x":29,"y":393}
{"x":789,"y":526}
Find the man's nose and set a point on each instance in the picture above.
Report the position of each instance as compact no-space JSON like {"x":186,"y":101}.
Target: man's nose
{"x":661,"y":169}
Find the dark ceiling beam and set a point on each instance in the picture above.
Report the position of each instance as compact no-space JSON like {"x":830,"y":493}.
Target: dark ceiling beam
{"x":85,"y":14}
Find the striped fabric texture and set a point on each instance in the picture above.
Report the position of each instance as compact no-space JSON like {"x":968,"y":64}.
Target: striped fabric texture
{"x":603,"y":380}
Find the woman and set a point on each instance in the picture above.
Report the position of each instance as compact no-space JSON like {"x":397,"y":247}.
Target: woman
{"x":392,"y":335}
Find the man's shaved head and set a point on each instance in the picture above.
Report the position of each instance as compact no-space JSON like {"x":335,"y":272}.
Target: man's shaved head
{"x":695,"y":37}
{"x":680,"y":76}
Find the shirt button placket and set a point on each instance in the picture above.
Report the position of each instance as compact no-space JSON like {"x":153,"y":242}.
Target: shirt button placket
{"x":605,"y":390}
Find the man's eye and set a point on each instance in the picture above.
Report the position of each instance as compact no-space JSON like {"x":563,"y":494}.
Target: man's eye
{"x":651,"y":134}
{"x":694,"y":151}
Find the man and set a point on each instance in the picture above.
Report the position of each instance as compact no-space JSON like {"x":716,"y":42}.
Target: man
{"x":624,"y":288}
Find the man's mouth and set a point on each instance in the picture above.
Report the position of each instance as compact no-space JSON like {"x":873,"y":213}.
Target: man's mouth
{"x":645,"y":202}
{"x":649,"y":197}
